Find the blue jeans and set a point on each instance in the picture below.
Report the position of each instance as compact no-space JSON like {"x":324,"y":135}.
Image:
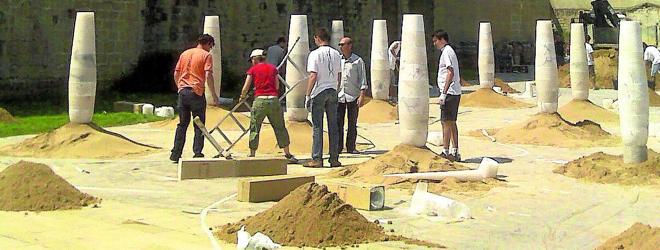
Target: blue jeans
{"x":325,"y":102}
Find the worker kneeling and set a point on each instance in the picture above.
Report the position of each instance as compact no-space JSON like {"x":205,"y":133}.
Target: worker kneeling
{"x":266,"y":103}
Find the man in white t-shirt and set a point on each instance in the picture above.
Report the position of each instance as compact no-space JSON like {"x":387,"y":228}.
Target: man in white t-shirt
{"x":590,"y":61}
{"x":652,"y":55}
{"x":449,"y":82}
{"x":324,"y":67}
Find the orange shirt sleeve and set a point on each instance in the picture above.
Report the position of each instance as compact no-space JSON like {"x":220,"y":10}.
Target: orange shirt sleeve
{"x":208,"y":64}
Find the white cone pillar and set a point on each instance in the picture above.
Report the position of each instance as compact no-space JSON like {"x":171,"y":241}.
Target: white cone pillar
{"x":337,"y":33}
{"x":380,"y":68}
{"x":212,"y":27}
{"x":547,"y":80}
{"x":633,"y":94}
{"x":413,"y":82}
{"x":82,"y":73}
{"x":295,"y":99}
{"x":579,"y":69}
{"x":486,"y":57}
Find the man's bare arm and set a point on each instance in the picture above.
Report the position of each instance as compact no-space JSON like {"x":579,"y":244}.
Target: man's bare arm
{"x":310,"y":83}
{"x":246,"y":87}
{"x":450,"y":77}
{"x":210,"y":84}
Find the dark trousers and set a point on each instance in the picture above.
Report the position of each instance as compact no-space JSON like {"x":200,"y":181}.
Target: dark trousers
{"x":189,"y":103}
{"x":351,"y":109}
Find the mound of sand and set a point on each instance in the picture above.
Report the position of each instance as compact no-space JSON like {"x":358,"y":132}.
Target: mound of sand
{"x":654,"y":98}
{"x":603,"y":168}
{"x":213,"y":116}
{"x":505,"y":86}
{"x":409,"y":159}
{"x":637,"y":237}
{"x":5,"y":116}
{"x":310,"y":216}
{"x":564,"y":72}
{"x":606,"y":67}
{"x":27,"y":186}
{"x":78,"y":141}
{"x":488,"y":98}
{"x":552,"y":130}
{"x":300,"y":136}
{"x":576,"y":111}
{"x":377,"y":111}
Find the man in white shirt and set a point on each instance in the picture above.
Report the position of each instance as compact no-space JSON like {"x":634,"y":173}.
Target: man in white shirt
{"x":449,"y":82}
{"x":324,"y":67}
{"x":652,"y":55}
{"x":590,"y":61}
{"x":351,"y":93}
{"x":393,"y":56}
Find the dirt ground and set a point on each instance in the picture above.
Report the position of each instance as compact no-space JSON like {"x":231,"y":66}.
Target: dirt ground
{"x":145,"y":207}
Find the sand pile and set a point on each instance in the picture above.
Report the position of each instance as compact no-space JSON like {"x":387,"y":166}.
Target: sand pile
{"x":576,"y":111}
{"x":603,"y":168}
{"x":564,"y":72}
{"x":27,"y":186}
{"x":213,"y":116}
{"x":5,"y":116}
{"x":310,"y":216}
{"x":505,"y":86}
{"x":488,"y":98}
{"x":654,"y":98}
{"x":465,"y":83}
{"x":410,"y":159}
{"x":78,"y":141}
{"x":377,"y":111}
{"x":402,"y":159}
{"x":637,"y":237}
{"x":606,"y":67}
{"x":300,"y":136}
{"x":552,"y":130}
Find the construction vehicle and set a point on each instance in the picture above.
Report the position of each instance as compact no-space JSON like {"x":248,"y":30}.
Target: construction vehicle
{"x":604,"y":21}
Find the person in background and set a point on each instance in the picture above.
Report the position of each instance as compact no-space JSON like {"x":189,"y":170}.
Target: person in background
{"x":560,"y":50}
{"x":652,"y":56}
{"x":266,"y":103}
{"x":324,"y":67}
{"x":193,"y":69}
{"x":449,"y":82}
{"x":394,"y":55}
{"x":351,"y":93}
{"x":274,"y":55}
{"x":590,"y":61}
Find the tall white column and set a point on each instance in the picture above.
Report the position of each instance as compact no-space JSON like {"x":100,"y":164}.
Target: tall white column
{"x":633,"y":94}
{"x":579,"y":68}
{"x":380,"y":69}
{"x":82,"y":73}
{"x":547,"y":80}
{"x":296,"y":68}
{"x":413,"y":82}
{"x":486,"y":57}
{"x":337,"y":33}
{"x":212,"y":27}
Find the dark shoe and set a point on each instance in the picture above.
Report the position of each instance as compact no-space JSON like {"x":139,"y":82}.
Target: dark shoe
{"x":446,"y":156}
{"x":335,"y":164}
{"x":291,"y":159}
{"x":200,"y":155}
{"x":354,"y":151}
{"x":174,"y":158}
{"x":456,"y":157}
{"x":313,"y":164}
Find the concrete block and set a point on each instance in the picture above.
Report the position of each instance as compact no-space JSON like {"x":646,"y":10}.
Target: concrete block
{"x":359,"y":196}
{"x":269,"y":188}
{"x":123,"y":106}
{"x":200,"y":168}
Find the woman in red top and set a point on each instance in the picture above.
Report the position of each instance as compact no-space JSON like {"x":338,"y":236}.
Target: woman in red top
{"x":266,"y":103}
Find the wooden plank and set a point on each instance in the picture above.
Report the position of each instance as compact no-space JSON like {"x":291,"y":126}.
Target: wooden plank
{"x":358,"y":196}
{"x":269,"y":188}
{"x":204,"y":168}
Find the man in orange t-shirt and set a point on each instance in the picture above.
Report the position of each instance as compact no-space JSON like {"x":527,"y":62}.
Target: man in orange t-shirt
{"x":194,"y":68}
